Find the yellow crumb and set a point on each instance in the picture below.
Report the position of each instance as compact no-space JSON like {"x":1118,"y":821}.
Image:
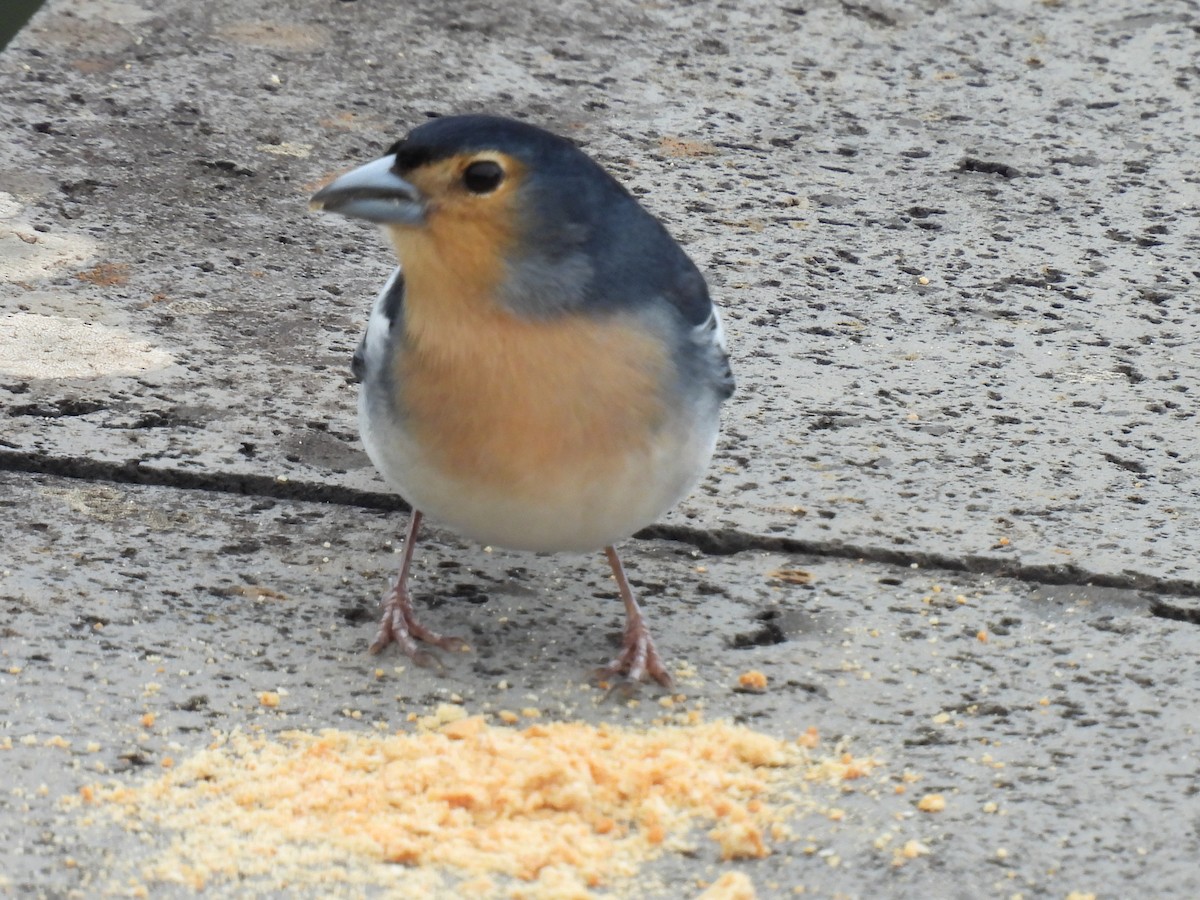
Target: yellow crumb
{"x":753,"y":679}
{"x":932,"y":803}
{"x":910,"y":850}
{"x":269,"y":699}
{"x":740,"y":840}
{"x":730,"y":886}
{"x":461,"y":808}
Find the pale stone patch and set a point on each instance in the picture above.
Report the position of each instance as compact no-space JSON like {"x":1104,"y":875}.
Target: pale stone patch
{"x":37,"y":346}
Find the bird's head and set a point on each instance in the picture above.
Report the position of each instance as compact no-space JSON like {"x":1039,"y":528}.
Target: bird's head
{"x":489,"y":199}
{"x":494,"y":207}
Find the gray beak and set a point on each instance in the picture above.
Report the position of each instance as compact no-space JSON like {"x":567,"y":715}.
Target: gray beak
{"x":372,"y":192}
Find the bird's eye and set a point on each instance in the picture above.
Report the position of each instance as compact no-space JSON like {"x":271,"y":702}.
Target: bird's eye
{"x":482,"y":177}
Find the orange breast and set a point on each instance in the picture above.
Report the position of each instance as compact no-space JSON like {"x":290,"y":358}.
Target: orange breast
{"x":501,"y":401}
{"x":527,"y":405}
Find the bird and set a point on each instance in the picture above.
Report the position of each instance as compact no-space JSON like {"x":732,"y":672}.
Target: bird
{"x":545,"y":368}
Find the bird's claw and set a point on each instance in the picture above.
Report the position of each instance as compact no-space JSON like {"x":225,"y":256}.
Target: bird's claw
{"x":637,"y":662}
{"x":399,"y":626}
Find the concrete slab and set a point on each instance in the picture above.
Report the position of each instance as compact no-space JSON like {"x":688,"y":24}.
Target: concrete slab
{"x":935,"y":355}
{"x":1066,"y":738}
{"x":952,"y":245}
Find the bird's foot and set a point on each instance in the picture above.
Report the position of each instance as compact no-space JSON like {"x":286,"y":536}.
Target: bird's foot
{"x":399,"y":626}
{"x":638,"y":660}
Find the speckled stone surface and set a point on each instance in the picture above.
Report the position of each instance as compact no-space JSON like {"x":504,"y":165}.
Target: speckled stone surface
{"x":955,"y":246}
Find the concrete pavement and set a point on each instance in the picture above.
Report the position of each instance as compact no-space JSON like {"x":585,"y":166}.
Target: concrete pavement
{"x":956,"y":251}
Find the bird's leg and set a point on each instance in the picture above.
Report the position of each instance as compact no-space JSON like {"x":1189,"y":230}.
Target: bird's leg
{"x":399,"y":624}
{"x":638,"y":658}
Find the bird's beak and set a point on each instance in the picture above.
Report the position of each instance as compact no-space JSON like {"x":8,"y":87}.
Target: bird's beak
{"x":372,"y":192}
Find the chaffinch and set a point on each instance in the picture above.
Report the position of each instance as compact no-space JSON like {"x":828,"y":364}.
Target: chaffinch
{"x":544,"y":370}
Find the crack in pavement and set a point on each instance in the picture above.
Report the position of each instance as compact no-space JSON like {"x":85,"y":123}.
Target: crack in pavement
{"x":714,"y":542}
{"x":724,"y":542}
{"x":134,"y":471}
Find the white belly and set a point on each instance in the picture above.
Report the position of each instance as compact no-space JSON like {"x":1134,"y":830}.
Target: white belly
{"x":581,"y":511}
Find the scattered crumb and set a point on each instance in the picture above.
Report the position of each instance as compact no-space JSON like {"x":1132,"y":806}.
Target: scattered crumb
{"x":730,"y":886}
{"x":911,"y":850}
{"x":685,"y":671}
{"x":553,"y":810}
{"x":269,"y":699}
{"x":753,"y":680}
{"x":932,"y":803}
{"x":740,"y":840}
{"x":444,"y":714}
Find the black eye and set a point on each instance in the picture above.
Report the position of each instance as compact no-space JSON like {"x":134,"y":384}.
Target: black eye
{"x":482,"y":177}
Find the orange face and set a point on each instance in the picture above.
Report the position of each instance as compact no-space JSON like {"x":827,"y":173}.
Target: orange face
{"x":456,"y":256}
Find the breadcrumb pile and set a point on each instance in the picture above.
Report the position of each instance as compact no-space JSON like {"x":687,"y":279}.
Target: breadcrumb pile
{"x":464,"y":808}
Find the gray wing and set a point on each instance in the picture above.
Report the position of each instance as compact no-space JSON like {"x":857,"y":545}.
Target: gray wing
{"x":647,"y":265}
{"x":711,"y":337}
{"x":385,"y":313}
